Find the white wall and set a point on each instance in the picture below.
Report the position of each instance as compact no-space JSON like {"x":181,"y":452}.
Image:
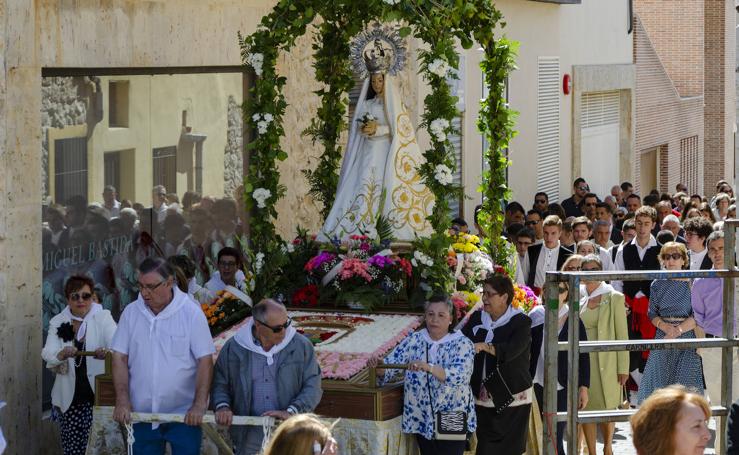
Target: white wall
{"x":591,"y":33}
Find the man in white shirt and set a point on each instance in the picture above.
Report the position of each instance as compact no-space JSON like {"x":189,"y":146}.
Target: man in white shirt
{"x":158,"y":203}
{"x":697,"y":230}
{"x":582,"y":230}
{"x":110,"y":202}
{"x":548,"y":256}
{"x":162,"y":362}
{"x":229,"y":271}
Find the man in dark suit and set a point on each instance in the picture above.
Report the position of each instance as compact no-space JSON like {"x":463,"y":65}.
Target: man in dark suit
{"x":697,"y":230}
{"x":548,"y":256}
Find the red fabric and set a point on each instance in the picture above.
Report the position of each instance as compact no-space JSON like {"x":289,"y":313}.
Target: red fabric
{"x":640,"y":321}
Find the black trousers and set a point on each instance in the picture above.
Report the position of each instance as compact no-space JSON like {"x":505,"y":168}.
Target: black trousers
{"x":561,"y":407}
{"x":435,"y":447}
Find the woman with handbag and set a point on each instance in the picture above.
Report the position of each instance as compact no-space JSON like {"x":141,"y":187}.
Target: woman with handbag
{"x":501,"y":381}
{"x":83,"y":325}
{"x":603,"y":313}
{"x":437,"y":402}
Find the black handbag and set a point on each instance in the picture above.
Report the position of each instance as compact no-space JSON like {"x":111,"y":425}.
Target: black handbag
{"x":448,"y":425}
{"x":495,"y":382}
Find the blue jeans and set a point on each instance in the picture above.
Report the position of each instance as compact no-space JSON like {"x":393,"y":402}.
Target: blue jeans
{"x":184,"y":439}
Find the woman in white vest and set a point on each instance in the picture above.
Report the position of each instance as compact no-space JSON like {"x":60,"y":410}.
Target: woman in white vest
{"x":83,"y":325}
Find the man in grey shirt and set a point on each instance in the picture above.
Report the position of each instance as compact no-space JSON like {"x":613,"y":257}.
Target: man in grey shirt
{"x":266,"y":369}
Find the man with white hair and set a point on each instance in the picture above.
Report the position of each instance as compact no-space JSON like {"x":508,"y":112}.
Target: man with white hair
{"x":672,"y":224}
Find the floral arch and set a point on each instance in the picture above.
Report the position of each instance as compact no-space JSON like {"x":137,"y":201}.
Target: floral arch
{"x":443,"y":23}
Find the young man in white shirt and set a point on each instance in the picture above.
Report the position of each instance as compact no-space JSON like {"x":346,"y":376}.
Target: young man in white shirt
{"x":162,"y":362}
{"x":548,"y":256}
{"x":639,"y":254}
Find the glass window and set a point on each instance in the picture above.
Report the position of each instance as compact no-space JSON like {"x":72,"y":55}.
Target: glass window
{"x":137,"y":166}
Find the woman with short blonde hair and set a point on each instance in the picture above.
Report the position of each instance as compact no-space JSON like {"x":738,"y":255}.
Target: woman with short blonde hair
{"x":678,"y":416}
{"x":302,"y":434}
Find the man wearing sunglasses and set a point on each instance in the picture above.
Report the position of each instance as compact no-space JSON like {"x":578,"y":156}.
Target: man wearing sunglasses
{"x":572,"y":204}
{"x":162,"y":362}
{"x":266,"y":369}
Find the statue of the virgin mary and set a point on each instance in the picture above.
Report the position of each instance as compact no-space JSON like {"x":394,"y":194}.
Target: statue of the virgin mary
{"x":379,"y":174}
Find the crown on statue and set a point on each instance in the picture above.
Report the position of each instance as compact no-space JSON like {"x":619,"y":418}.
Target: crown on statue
{"x":380,"y":49}
{"x":377,"y":58}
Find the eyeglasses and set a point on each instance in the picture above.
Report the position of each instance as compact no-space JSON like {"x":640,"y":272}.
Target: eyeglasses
{"x":674,"y":256}
{"x":277,"y":328}
{"x":75,"y":296}
{"x":489,"y":293}
{"x":531,"y":222}
{"x":151,"y":287}
{"x":583,"y":188}
{"x":690,"y":234}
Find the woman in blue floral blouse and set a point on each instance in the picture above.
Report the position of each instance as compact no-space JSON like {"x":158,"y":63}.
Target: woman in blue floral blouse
{"x":439,"y":371}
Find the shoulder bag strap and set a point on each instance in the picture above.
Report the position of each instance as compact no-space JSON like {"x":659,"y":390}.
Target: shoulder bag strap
{"x":428,"y":383}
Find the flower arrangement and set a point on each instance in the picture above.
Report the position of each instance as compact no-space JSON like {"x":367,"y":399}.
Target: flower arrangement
{"x":465,"y":243}
{"x":360,"y":271}
{"x":524,"y":298}
{"x":226,"y":310}
{"x":464,"y":302}
{"x":306,"y":296}
{"x":366,"y":119}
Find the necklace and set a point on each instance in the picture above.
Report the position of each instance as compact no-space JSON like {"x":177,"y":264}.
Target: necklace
{"x":79,"y":359}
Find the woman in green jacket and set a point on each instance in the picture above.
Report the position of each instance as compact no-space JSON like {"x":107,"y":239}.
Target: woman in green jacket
{"x":603,"y":313}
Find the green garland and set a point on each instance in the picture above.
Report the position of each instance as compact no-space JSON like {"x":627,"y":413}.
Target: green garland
{"x":436,"y":22}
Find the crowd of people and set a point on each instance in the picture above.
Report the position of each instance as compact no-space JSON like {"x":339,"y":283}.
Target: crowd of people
{"x":481,"y":379}
{"x":624,"y":232}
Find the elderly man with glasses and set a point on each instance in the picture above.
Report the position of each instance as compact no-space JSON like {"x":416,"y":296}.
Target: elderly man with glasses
{"x":162,"y":362}
{"x":266,"y":369}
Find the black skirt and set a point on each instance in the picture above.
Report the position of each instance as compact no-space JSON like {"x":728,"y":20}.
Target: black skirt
{"x":503,"y":433}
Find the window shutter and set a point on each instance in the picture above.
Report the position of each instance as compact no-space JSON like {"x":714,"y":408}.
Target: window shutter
{"x":547,"y":127}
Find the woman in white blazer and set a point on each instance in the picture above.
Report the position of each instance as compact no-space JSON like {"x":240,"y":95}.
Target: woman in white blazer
{"x":82,"y":326}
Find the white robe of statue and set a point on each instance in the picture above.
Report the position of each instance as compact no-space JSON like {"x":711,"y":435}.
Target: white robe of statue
{"x":379,"y":174}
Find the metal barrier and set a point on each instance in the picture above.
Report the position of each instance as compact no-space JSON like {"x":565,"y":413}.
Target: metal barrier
{"x":552,"y":346}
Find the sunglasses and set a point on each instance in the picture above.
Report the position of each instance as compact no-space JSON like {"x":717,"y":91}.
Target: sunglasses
{"x":583,"y":188}
{"x":532,"y":223}
{"x":277,"y":328}
{"x":591,"y":204}
{"x":674,"y":256}
{"x":75,"y":296}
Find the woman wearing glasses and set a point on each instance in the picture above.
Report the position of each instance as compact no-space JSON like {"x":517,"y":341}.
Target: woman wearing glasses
{"x":603,"y":313}
{"x":501,"y":381}
{"x":671,"y":312}
{"x":83,"y":325}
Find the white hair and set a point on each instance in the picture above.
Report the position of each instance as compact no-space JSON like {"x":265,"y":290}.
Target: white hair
{"x":671,"y":218}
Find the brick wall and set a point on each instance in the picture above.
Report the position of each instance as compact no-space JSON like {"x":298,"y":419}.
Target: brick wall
{"x":663,"y":118}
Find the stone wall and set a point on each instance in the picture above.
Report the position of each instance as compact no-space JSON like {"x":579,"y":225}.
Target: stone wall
{"x":61,"y":105}
{"x":233,"y":156}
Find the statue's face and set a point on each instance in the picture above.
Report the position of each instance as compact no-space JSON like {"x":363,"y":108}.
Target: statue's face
{"x":378,"y":83}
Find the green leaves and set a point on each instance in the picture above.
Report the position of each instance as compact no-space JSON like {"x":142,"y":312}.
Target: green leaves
{"x":441,"y":24}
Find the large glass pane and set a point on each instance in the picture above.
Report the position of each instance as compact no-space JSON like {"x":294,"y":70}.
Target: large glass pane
{"x":136,"y":166}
